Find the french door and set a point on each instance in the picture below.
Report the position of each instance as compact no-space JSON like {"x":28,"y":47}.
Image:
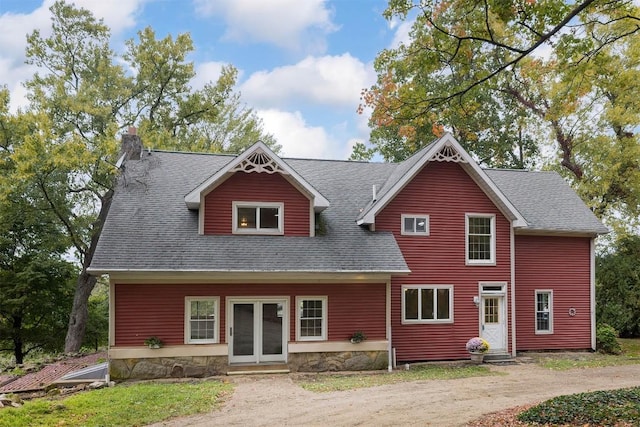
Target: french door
{"x":257,"y":330}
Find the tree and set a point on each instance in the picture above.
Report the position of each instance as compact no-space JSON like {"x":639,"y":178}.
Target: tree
{"x":86,"y":98}
{"x":35,"y":280}
{"x":618,"y":287}
{"x":472,"y":68}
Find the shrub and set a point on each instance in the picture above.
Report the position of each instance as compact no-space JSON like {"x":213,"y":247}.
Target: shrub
{"x":607,"y":340}
{"x":607,"y":407}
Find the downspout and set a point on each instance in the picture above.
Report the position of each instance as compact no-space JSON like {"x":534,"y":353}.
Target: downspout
{"x":388,"y":320}
{"x":512,"y":248}
{"x":592,"y":297}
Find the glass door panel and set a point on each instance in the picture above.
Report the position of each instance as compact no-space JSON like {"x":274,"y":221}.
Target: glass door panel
{"x":272,"y":328}
{"x":243,"y":329}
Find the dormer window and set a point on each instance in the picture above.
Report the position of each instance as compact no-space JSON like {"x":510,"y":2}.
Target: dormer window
{"x":258,"y":218}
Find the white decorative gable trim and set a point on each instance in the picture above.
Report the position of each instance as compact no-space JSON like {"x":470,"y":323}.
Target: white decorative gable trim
{"x":259,"y":159}
{"x":448,"y":154}
{"x":259,"y":162}
{"x":446,"y":149}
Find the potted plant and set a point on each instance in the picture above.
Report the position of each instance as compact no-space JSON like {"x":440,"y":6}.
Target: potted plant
{"x":153,"y":342}
{"x":477,"y":347}
{"x":358,"y":336}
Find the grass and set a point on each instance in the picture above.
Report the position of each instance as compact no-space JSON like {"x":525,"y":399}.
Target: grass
{"x":124,"y":405}
{"x":340,"y":382}
{"x":630,"y":356}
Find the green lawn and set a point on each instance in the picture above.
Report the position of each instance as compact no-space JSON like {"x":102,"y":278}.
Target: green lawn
{"x":341,"y":382}
{"x":124,"y":405}
{"x":630,"y":355}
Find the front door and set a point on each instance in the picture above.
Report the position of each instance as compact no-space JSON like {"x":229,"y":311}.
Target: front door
{"x":257,"y":330}
{"x":493,"y":323}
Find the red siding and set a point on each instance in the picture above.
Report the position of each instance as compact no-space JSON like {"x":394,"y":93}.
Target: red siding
{"x":561,"y":264}
{"x":145,"y":310}
{"x":445,"y":192}
{"x":256,"y":187}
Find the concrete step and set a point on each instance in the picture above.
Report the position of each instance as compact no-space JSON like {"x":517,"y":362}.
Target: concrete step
{"x":498,"y":357}
{"x":258,"y":369}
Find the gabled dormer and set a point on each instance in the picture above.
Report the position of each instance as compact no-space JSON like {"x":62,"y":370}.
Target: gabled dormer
{"x":445,"y":149}
{"x":256,"y":193}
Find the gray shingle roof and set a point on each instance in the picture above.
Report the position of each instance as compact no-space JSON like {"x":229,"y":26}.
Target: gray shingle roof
{"x":150,"y":228}
{"x":546,"y":201}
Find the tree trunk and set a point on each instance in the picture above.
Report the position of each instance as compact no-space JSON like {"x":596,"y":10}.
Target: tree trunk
{"x":85,"y":284}
{"x":18,"y":351}
{"x":79,"y":312}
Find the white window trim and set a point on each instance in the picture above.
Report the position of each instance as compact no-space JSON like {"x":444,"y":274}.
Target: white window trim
{"x":492,"y":260}
{"x":234,"y":219}
{"x":187,"y":320}
{"x":299,"y":300}
{"x":414,"y":233}
{"x":535,"y":311}
{"x":435,"y":287}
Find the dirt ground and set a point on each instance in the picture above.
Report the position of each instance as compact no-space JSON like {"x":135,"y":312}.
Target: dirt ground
{"x":277,"y":400}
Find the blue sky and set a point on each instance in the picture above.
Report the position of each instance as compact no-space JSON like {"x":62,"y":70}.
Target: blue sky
{"x":302,"y":63}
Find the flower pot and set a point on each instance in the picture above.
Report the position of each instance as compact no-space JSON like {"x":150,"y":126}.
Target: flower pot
{"x":355,"y":340}
{"x":477,"y":357}
{"x":154,"y":346}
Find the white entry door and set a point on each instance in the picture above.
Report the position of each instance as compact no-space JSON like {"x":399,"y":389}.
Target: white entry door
{"x":257,"y":330}
{"x":493,"y":317}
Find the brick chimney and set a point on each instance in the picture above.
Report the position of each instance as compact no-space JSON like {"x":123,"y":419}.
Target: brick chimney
{"x":131,"y":145}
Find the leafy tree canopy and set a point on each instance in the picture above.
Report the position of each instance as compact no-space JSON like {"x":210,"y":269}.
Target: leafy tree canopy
{"x":618,"y":287}
{"x":83,"y":95}
{"x":35,"y":280}
{"x":519,"y":84}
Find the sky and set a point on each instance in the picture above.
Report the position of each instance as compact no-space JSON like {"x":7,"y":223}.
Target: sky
{"x":302,"y":63}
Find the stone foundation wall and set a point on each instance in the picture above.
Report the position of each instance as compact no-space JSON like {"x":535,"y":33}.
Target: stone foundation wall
{"x":206,"y":366}
{"x":338,"y":361}
{"x":168,"y":367}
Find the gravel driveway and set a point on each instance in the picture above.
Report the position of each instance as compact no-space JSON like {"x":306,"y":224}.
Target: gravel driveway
{"x":277,"y":400}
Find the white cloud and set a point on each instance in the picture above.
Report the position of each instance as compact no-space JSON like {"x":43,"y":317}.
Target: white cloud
{"x":401,"y":35}
{"x":290,"y":24}
{"x":118,"y":15}
{"x":298,"y":139}
{"x":207,"y":72}
{"x":327,"y":80}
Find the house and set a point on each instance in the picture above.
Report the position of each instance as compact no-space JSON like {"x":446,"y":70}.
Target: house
{"x":258,"y":260}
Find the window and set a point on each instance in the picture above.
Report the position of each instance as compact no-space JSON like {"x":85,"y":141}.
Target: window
{"x":312,"y":318}
{"x":201,"y":316}
{"x":253,"y":218}
{"x":544,"y":312}
{"x":427,"y":304}
{"x":481,"y":239}
{"x":415,"y":225}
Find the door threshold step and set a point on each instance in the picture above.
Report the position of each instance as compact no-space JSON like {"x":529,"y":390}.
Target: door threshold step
{"x":258,"y":369}
{"x":260,"y":372}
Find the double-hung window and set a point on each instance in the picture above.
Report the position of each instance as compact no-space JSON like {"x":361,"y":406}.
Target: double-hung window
{"x":427,"y":304}
{"x":481,"y":239}
{"x":544,"y":312}
{"x":257,"y":218}
{"x":415,"y":225}
{"x":311,"y":318}
{"x":201,"y":320}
